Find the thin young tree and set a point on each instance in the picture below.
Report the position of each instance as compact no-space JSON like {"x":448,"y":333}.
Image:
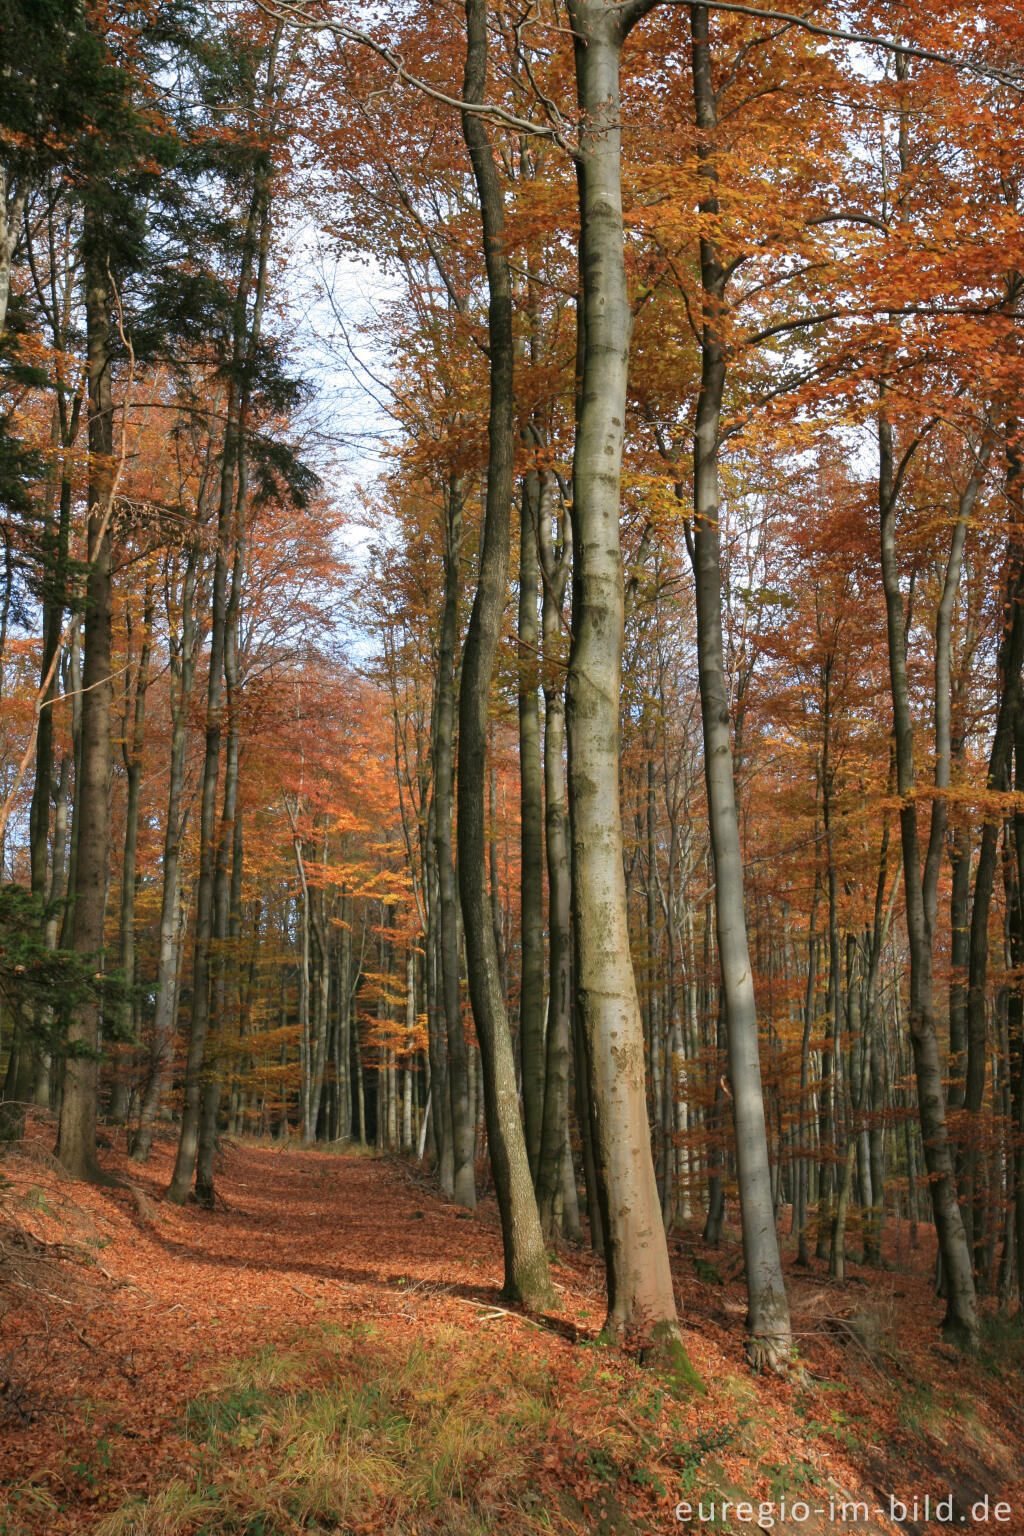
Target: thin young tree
{"x":526,"y":1266}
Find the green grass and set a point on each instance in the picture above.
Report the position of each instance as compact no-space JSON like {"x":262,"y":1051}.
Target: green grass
{"x":1001,"y":1351}
{"x":353,"y":1434}
{"x":36,"y":1200}
{"x":21,"y":1507}
{"x":352,"y":1430}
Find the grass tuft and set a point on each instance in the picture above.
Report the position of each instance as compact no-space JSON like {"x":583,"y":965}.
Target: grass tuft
{"x":439,"y":1438}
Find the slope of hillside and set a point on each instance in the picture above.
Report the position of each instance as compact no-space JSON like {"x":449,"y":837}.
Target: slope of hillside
{"x":327,"y":1352}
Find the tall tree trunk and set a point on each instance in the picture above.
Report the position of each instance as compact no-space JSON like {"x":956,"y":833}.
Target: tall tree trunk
{"x":131,"y":751}
{"x":555,"y":1126}
{"x":321,"y":996}
{"x":769,"y":1335}
{"x":55,"y":544}
{"x":246,"y":331}
{"x":188,"y":1139}
{"x":437,"y":1045}
{"x":585,"y":1119}
{"x":46,"y":875}
{"x":648,"y":834}
{"x":920,"y":886}
{"x":76,"y":1137}
{"x":856,"y":1151}
{"x":409,"y":1065}
{"x":800,"y":1215}
{"x":1015,"y":1017}
{"x":182,"y":667}
{"x":1009,"y":714}
{"x":526,"y":1265}
{"x":228,"y":864}
{"x":828,"y":1100}
{"x":497,"y":909}
{"x":464,"y":1185}
{"x":12,"y":205}
{"x":920,"y":877}
{"x":531,"y":829}
{"x":875,"y":1046}
{"x":959,"y":959}
{"x":343,"y":1054}
{"x":307,"y":1117}
{"x":640,"y":1295}
{"x":714,"y":1221}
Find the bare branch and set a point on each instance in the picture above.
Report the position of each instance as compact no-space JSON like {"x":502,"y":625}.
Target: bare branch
{"x":869,"y":40}
{"x":287,"y":12}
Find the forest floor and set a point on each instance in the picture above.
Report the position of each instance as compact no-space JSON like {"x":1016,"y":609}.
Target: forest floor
{"x":325,"y":1352}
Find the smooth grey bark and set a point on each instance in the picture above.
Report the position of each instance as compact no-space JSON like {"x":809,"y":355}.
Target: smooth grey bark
{"x":71,"y":684}
{"x":570,"y":1199}
{"x":960,"y":844}
{"x":860,"y":1067}
{"x":1010,"y":709}
{"x":42,"y":1091}
{"x":54,"y":290}
{"x":409,"y":1066}
{"x":227,"y":879}
{"x":228,"y":865}
{"x":76,"y":1136}
{"x":769,"y":1341}
{"x":55,"y":300}
{"x":246,"y":330}
{"x":47,"y":874}
{"x":437,"y":1046}
{"x":714,"y":1221}
{"x":585,"y":1119}
{"x":463,"y":1176}
{"x":646,"y":834}
{"x":920,"y":877}
{"x":959,"y":958}
{"x":343,"y":1050}
{"x":873,"y":1090}
{"x":640,"y":1295}
{"x":360,"y":1082}
{"x":531,"y":828}
{"x":12,"y":205}
{"x":188,"y":1138}
{"x":920,"y":884}
{"x":769,"y":1334}
{"x":132,"y":745}
{"x":829,"y":1170}
{"x":526,"y":1265}
{"x":201,"y":1081}
{"x":182,"y":664}
{"x":229,"y":854}
{"x":321,"y":989}
{"x":314,"y":985}
{"x":306,"y":1121}
{"x":552,"y":1183}
{"x":493,"y":864}
{"x":800,"y":1211}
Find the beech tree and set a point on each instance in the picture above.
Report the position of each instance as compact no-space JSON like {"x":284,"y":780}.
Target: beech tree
{"x":526,"y":1268}
{"x":611,"y":798}
{"x":639,"y":1280}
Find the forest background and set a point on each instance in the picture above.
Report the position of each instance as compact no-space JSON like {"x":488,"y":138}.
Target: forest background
{"x":615,"y":798}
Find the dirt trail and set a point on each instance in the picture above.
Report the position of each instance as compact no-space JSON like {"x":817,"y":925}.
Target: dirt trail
{"x":119,"y":1312}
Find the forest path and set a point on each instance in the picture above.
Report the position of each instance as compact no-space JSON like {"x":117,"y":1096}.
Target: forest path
{"x":323,"y":1273}
{"x":313,"y":1225}
{"x":295,"y":1235}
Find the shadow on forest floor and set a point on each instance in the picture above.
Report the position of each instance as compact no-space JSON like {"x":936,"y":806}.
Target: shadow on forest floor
{"x":327,"y":1351}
